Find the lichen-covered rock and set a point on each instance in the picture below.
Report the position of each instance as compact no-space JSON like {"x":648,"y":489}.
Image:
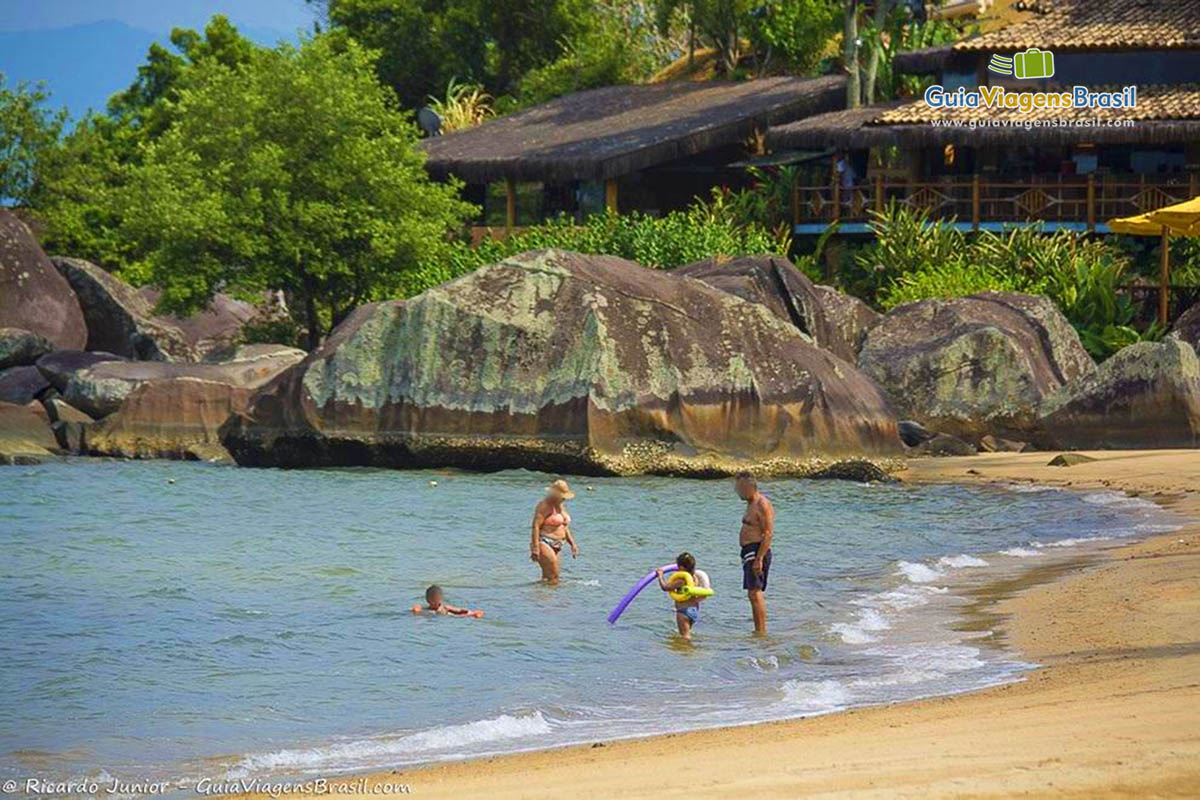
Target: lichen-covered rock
{"x":119,"y":319}
{"x":559,"y":361}
{"x":170,"y":418}
{"x":100,"y":389}
{"x":835,"y":321}
{"x":1187,"y":327}
{"x":25,"y":436}
{"x":21,"y":385}
{"x":1146,"y":395}
{"x":232,"y":354}
{"x":974,"y":365}
{"x":20,"y":348}
{"x":33,"y":296}
{"x":59,"y":366}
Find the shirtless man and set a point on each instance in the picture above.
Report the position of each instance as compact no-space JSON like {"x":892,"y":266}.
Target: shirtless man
{"x":758,"y":528}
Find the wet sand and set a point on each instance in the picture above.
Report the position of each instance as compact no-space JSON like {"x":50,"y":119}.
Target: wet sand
{"x":1114,"y":710}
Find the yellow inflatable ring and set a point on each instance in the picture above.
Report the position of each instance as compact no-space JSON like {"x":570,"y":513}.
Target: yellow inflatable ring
{"x":688,"y":590}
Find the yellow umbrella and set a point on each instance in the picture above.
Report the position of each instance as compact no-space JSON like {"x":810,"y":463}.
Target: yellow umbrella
{"x":1136,"y":226}
{"x":1181,"y":218}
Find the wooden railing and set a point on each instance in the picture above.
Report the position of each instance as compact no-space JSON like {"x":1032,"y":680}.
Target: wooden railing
{"x":976,"y":200}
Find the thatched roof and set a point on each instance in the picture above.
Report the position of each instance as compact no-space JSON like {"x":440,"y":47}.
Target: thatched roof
{"x":1096,"y":25}
{"x":605,"y":133}
{"x":925,"y":61}
{"x":1163,"y":114}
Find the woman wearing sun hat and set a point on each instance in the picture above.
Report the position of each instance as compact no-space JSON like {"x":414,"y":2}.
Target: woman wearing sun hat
{"x":551,"y":528}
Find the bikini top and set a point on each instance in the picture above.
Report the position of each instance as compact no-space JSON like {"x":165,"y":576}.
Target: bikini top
{"x":556,"y":519}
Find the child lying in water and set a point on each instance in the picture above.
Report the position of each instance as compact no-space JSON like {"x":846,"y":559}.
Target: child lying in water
{"x":437,"y":605}
{"x":687,"y":612}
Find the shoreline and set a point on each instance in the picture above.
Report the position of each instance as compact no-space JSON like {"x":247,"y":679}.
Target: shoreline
{"x":1112,"y":710}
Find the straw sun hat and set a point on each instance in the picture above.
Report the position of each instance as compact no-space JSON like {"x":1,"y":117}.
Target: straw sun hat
{"x":560,"y":488}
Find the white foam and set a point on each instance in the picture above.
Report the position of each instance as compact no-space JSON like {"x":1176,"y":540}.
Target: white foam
{"x":1072,"y":541}
{"x":1117,"y":499}
{"x":902,"y":597}
{"x":814,"y":696}
{"x":1020,"y":552}
{"x":918,"y":573}
{"x":447,"y":738}
{"x":961,"y":561}
{"x":858,"y":632}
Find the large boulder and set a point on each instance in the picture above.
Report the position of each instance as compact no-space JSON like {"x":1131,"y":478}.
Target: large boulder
{"x":218,"y":325}
{"x":20,"y":348}
{"x":21,"y":385}
{"x":119,"y":319}
{"x":100,"y":389}
{"x":59,"y":366}
{"x":33,"y":296}
{"x":1187,"y":327}
{"x":25,"y":435}
{"x":835,"y":321}
{"x":565,"y":362}
{"x":1146,"y":395}
{"x":974,"y":365}
{"x":171,"y":418}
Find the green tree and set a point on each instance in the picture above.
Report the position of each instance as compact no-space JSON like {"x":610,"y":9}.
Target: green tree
{"x":424,"y":44}
{"x":293,"y":171}
{"x":723,"y":24}
{"x":792,"y":34}
{"x":615,"y":44}
{"x":77,"y":180}
{"x":28,"y":130}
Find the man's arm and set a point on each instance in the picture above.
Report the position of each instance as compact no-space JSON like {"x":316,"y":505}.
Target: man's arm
{"x":766,"y":515}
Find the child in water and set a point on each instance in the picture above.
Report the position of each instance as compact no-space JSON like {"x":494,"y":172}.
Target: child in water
{"x":687,"y":612}
{"x":437,"y":605}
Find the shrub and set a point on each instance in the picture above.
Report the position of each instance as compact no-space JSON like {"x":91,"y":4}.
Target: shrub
{"x":703,"y":231}
{"x":914,"y":258}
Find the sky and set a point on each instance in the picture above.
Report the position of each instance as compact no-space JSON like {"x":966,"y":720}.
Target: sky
{"x":87,"y":50}
{"x":157,"y":16}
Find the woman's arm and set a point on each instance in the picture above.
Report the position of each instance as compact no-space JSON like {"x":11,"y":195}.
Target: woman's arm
{"x":571,"y":541}
{"x":535,"y":546}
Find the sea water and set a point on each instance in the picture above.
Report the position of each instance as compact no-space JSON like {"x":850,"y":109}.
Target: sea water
{"x":179,"y":621}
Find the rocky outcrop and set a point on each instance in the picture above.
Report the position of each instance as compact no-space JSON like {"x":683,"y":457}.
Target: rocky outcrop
{"x":25,"y":436}
{"x":33,"y":296}
{"x":172,"y":418}
{"x":20,"y":348}
{"x":21,"y":385}
{"x":100,"y":389}
{"x":119,"y":319}
{"x":1187,"y":327}
{"x":835,"y":321}
{"x":1146,"y":395}
{"x":974,"y":365}
{"x":59,"y":366}
{"x":218,"y":325}
{"x":571,"y":363}
{"x":69,"y":425}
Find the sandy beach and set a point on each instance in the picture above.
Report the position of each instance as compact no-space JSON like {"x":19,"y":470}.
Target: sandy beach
{"x":1113,"y":710}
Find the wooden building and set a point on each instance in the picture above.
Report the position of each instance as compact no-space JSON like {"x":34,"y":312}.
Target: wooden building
{"x":990,"y":168}
{"x":653,"y":148}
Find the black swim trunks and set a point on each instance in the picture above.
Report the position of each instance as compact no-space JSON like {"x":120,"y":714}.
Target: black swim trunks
{"x":749,"y":579}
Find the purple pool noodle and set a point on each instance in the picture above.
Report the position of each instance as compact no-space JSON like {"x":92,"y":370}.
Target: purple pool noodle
{"x":642,"y":584}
